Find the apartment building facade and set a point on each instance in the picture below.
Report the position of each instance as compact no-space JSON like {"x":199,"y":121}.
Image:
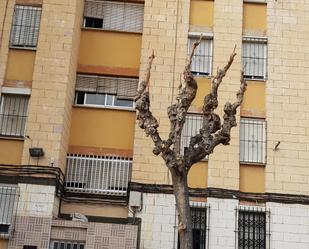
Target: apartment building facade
{"x":77,"y":172}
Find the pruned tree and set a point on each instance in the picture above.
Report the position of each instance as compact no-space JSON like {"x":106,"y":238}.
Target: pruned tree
{"x":212,"y":133}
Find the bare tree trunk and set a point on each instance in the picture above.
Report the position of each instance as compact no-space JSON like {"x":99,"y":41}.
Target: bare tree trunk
{"x":181,"y":193}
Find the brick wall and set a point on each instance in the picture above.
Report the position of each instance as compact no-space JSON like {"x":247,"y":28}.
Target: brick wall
{"x":287,"y":100}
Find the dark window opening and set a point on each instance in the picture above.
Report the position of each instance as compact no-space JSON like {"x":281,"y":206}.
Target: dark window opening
{"x":91,"y":22}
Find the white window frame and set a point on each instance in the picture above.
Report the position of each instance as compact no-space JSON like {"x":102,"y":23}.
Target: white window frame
{"x":261,"y":41}
{"x":105,"y":105}
{"x":5,"y":117}
{"x":259,"y":139}
{"x":205,"y":37}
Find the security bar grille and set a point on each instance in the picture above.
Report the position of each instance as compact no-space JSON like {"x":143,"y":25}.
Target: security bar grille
{"x":98,"y":174}
{"x":8,"y":196}
{"x":254,"y":55}
{"x":124,"y":88}
{"x":26,"y":26}
{"x":251,"y":230}
{"x":192,"y":127}
{"x":252,"y":140}
{"x":200,"y":225}
{"x":119,"y":16}
{"x":67,"y":245}
{"x":202,"y":59}
{"x":13,"y":115}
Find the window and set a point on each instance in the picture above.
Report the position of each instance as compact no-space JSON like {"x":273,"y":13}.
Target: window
{"x":67,"y":245}
{"x":251,"y":230}
{"x":254,"y":55}
{"x":25,"y":27}
{"x":13,"y":114}
{"x":105,"y":91}
{"x":119,"y":16}
{"x":98,"y":174}
{"x":199,"y":225}
{"x":7,"y":207}
{"x":252,"y":140}
{"x":191,"y":128}
{"x":202,"y":59}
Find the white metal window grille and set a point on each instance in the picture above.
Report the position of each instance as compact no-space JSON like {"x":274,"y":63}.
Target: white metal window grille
{"x":200,"y":225}
{"x":26,"y":26}
{"x":8,"y":199}
{"x":119,"y":16}
{"x":13,"y":114}
{"x":105,"y":91}
{"x":98,"y":174}
{"x":252,"y":228}
{"x":254,"y":56}
{"x":192,"y":127}
{"x":66,"y":245}
{"x":252,"y":140}
{"x":202,"y":59}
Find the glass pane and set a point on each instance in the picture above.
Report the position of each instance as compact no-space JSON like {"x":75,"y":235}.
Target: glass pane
{"x":95,"y":99}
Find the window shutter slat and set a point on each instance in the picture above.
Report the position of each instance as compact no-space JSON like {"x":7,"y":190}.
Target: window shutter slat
{"x":107,"y":85}
{"x":93,"y":9}
{"x":86,"y":83}
{"x":127,"y":88}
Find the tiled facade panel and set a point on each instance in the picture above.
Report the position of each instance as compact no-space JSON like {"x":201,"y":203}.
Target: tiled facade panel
{"x":32,"y":231}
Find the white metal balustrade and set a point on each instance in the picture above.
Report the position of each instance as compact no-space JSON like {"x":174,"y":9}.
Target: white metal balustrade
{"x":98,"y":174}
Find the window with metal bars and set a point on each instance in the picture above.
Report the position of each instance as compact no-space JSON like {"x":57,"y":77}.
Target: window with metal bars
{"x":112,"y":15}
{"x":25,"y":26}
{"x":8,"y":198}
{"x":192,"y":127}
{"x":98,"y":174}
{"x":251,"y":229}
{"x":202,"y":59}
{"x":252,"y":140}
{"x":66,"y":245}
{"x":105,"y":91}
{"x":199,"y":226}
{"x":13,"y":115}
{"x":254,"y":56}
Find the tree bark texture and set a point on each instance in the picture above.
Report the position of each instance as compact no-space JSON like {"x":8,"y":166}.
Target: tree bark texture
{"x":212,"y":133}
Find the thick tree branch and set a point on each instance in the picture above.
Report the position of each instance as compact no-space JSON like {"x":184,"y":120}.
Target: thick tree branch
{"x":212,"y":132}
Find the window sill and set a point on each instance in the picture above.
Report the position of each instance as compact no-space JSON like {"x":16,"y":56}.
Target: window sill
{"x":111,"y":30}
{"x":3,"y":137}
{"x":105,"y":107}
{"x":252,"y":164}
{"x":22,"y":48}
{"x":258,"y":80}
{"x":202,"y":76}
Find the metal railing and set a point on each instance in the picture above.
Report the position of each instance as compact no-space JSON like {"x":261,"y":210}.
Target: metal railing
{"x":13,"y":115}
{"x":67,"y":245}
{"x":8,"y":200}
{"x":98,"y":174}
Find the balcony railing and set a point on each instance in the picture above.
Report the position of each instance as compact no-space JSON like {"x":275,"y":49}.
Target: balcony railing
{"x":98,"y":174}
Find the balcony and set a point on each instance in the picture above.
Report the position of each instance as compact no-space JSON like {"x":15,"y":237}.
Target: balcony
{"x":106,"y":175}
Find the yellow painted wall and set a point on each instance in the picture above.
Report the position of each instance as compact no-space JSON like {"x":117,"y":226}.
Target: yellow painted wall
{"x":94,"y":210}
{"x":104,"y":128}
{"x":11,"y":151}
{"x":20,"y":65}
{"x":197,"y":177}
{"x":4,"y":244}
{"x":255,"y":16}
{"x":254,"y":100}
{"x":201,"y":13}
{"x":203,"y":84}
{"x":252,"y":178}
{"x":110,"y":49}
